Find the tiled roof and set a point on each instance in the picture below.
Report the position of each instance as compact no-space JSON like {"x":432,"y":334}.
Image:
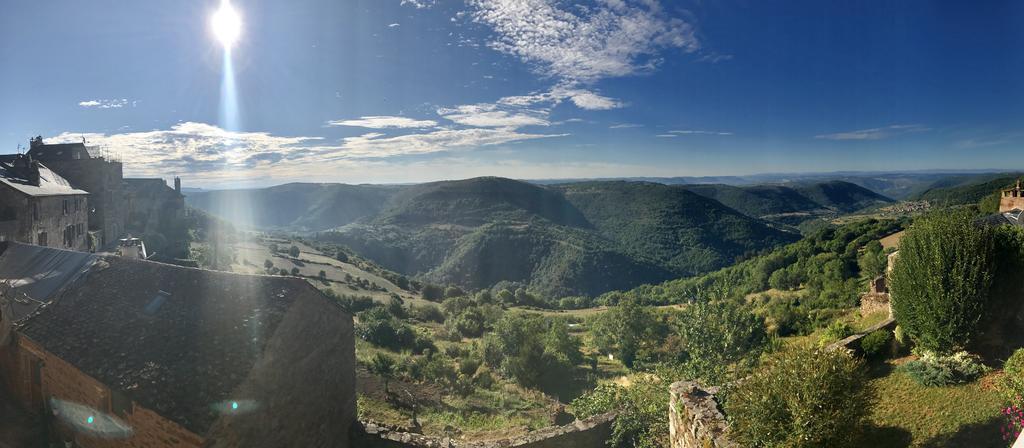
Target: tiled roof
{"x":50,"y":183}
{"x":183,"y":341}
{"x":1013,"y":217}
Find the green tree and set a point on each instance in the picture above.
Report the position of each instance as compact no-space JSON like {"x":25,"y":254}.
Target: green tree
{"x":801,"y":398}
{"x":267,"y":264}
{"x":720,"y":333}
{"x":295,"y":271}
{"x":293,"y":251}
{"x":383,"y":366}
{"x":432,"y":292}
{"x":873,"y":261}
{"x":622,"y":329}
{"x":322,"y":275}
{"x":941,"y":280}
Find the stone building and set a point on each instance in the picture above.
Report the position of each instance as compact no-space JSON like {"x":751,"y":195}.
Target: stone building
{"x":120,"y":352}
{"x":156,"y":212}
{"x":1012,"y":199}
{"x":37,"y":206}
{"x":88,"y":170}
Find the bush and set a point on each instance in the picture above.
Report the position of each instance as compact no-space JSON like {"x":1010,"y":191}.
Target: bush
{"x":940,"y":283}
{"x":293,"y":251}
{"x":641,"y":407}
{"x":1011,"y":385}
{"x":433,"y":293}
{"x":801,"y":398}
{"x":835,"y":331}
{"x":935,"y":370}
{"x":720,"y":333}
{"x":426,"y":312}
{"x":874,"y":343}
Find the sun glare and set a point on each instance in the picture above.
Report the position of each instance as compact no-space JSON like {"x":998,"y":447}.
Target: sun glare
{"x":226,"y":25}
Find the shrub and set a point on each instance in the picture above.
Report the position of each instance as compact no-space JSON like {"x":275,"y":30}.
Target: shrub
{"x":295,"y":271}
{"x":874,"y":343}
{"x":801,"y":398}
{"x":935,"y":370}
{"x":433,"y":293}
{"x":1012,"y":383}
{"x":835,"y":331}
{"x":426,"y":312}
{"x":641,"y":407}
{"x":293,"y":251}
{"x":720,"y":333}
{"x":940,"y":283}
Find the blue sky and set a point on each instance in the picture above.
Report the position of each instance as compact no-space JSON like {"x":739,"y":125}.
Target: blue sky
{"x":404,"y":91}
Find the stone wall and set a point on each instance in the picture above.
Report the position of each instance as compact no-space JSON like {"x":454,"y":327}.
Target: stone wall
{"x":694,"y":420}
{"x":592,"y":432}
{"x":853,"y":342}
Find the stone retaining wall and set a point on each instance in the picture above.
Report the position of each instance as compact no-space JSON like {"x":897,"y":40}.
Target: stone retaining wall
{"x":694,"y":420}
{"x":592,"y":432}
{"x":853,"y":342}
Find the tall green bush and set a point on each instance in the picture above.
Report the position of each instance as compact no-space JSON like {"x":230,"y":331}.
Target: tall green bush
{"x":799,"y":398}
{"x":941,"y":280}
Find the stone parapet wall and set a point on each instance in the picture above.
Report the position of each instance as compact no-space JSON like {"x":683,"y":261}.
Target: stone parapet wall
{"x":592,"y":432}
{"x":694,"y":420}
{"x":852,"y":343}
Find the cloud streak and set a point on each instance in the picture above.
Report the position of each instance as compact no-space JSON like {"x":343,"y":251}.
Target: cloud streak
{"x":104,"y":104}
{"x":384,"y":122}
{"x":875,"y":133}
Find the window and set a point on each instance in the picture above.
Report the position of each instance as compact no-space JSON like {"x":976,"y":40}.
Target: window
{"x":41,"y":239}
{"x":65,"y":207}
{"x":35,"y":212}
{"x":78,"y":204}
{"x":78,"y":229}
{"x":69,"y":236}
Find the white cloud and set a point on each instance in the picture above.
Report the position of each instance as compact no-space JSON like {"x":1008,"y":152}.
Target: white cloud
{"x":418,"y":4}
{"x":394,"y":25}
{"x":715,"y":58}
{"x":493,"y":116}
{"x":875,"y":133}
{"x":625,"y":126}
{"x":375,"y":145}
{"x":383,"y":122}
{"x":205,"y":151}
{"x":106,"y":104}
{"x":584,"y":44}
{"x":692,"y":132}
{"x":666,"y":135}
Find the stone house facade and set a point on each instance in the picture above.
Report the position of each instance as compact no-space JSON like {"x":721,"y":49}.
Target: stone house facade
{"x":1012,"y":199}
{"x":85,"y":169}
{"x":38,"y":206}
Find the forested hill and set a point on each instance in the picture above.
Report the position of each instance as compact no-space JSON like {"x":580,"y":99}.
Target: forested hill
{"x":808,"y":197}
{"x":582,"y":238}
{"x":295,"y":206}
{"x":984,"y":191}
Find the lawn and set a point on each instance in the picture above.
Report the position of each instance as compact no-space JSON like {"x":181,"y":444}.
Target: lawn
{"x":908,"y":414}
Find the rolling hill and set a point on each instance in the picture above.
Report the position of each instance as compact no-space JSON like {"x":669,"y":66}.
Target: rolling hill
{"x":295,"y":206}
{"x":581,"y":238}
{"x":792,"y":203}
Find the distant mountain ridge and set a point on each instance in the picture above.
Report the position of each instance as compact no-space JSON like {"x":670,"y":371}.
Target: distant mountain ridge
{"x":792,"y":203}
{"x":578,"y":238}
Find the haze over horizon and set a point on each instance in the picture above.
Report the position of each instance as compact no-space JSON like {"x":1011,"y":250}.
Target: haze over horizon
{"x":404,"y":91}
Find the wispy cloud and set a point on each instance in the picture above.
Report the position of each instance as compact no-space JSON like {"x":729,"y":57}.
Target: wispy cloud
{"x":584,"y":44}
{"x":104,"y":104}
{"x":666,"y":136}
{"x":419,"y":4}
{"x":394,"y":25}
{"x":384,"y":122}
{"x":494,"y":116}
{"x":715,"y":57}
{"x":625,"y":126}
{"x":206,"y":151}
{"x":875,"y":133}
{"x":693,"y":132}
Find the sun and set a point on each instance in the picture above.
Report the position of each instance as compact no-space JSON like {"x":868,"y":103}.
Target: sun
{"x":226,"y":25}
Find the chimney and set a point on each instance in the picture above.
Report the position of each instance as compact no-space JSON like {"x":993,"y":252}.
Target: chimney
{"x":32,"y":172}
{"x":177,"y":184}
{"x":36,"y":142}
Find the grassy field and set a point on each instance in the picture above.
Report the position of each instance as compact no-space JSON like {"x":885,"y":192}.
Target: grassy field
{"x":908,"y":414}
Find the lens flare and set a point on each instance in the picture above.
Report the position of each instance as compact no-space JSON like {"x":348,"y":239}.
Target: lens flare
{"x":226,"y":25}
